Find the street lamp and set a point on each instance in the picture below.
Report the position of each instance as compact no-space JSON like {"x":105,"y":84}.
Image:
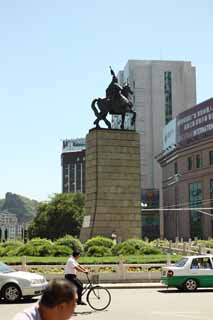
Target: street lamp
{"x":144,"y":205}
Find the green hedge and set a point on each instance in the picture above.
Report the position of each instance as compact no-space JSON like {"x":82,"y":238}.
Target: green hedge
{"x":72,"y":243}
{"x":132,"y":259}
{"x":97,"y":247}
{"x":98,"y":241}
{"x":134,"y":246}
{"x":10,"y":248}
{"x":98,"y":251}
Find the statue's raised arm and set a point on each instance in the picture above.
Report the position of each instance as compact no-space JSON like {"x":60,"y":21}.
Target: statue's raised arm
{"x":111,"y":71}
{"x":114,"y":78}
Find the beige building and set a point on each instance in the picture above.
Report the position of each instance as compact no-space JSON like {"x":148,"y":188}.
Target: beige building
{"x":187,"y":165}
{"x":188,"y":182}
{"x":162,"y":89}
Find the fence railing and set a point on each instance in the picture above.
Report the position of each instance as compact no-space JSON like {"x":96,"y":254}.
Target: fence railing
{"x":185,"y":248}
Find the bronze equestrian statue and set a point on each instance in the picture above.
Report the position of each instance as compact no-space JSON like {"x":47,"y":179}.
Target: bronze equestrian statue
{"x":116,"y":102}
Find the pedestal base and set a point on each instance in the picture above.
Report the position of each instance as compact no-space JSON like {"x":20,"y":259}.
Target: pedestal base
{"x":112,"y":184}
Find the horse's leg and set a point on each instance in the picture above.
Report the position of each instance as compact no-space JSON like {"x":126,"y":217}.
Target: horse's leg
{"x":93,"y":106}
{"x":101,"y":115}
{"x":122,"y":121}
{"x":133,"y":118}
{"x":96,"y":123}
{"x":107,"y":122}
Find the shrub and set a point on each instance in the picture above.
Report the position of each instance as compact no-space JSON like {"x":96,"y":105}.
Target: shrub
{"x":138,"y":244}
{"x":39,"y":242}
{"x":36,"y":251}
{"x":11,"y":243}
{"x":28,"y":250}
{"x":116,"y":249}
{"x":128,"y":247}
{"x":10,"y":248}
{"x":45,"y":250}
{"x":98,"y":241}
{"x":10,"y":251}
{"x":99,"y":251}
{"x":124,"y":249}
{"x":61,"y":251}
{"x":209,"y":243}
{"x":206,"y":243}
{"x":150,"y":250}
{"x":72,"y":243}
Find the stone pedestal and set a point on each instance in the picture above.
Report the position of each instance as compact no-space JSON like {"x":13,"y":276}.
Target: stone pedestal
{"x":112,"y":184}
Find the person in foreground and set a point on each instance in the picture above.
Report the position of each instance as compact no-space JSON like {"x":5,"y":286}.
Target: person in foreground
{"x":58,"y":302}
{"x":71,"y":268}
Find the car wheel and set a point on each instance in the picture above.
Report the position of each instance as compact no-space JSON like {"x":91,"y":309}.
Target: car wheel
{"x":11,"y":292}
{"x":190,"y":285}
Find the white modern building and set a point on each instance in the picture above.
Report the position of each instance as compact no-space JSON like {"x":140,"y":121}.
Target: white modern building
{"x":9,"y":227}
{"x":162,"y":89}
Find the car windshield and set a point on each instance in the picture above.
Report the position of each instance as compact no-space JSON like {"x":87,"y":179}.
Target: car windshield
{"x":5,"y":269}
{"x":181,"y":263}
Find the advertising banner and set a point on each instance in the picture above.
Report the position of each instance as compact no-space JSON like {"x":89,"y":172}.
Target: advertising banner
{"x":195,"y":123}
{"x":74,"y":144}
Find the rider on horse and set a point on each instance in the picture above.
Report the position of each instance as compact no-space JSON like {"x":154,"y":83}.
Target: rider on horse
{"x":114,"y":92}
{"x":116,"y":102}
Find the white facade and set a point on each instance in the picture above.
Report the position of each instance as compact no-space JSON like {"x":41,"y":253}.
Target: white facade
{"x":9,"y":227}
{"x":158,"y":86}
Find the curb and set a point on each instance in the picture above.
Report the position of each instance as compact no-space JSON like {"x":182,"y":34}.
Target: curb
{"x":133,"y":286}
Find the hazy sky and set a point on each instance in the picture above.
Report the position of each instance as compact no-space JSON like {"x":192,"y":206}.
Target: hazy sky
{"x":54,"y":58}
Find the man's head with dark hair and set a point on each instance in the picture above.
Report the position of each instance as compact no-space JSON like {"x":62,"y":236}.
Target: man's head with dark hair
{"x":58,"y":300}
{"x":76,"y":254}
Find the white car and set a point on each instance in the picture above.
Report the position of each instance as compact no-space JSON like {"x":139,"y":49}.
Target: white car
{"x":16,"y":284}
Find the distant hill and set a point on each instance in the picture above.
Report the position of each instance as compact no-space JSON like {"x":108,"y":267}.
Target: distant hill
{"x":24,"y":208}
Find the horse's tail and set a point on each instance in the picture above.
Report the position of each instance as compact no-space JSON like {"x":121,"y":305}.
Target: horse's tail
{"x":94,"y":107}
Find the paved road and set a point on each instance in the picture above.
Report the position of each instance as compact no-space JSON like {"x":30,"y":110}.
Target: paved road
{"x":141,"y":304}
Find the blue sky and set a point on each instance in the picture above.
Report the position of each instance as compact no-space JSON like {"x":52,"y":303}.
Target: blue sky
{"x":54,"y":58}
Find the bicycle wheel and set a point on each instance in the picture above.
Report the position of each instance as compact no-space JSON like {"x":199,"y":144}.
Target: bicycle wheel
{"x":98,"y":298}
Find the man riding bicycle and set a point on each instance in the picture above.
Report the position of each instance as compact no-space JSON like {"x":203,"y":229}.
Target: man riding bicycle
{"x":71,"y":268}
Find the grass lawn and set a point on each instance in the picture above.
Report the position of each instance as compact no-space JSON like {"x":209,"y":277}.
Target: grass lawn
{"x":91,"y":260}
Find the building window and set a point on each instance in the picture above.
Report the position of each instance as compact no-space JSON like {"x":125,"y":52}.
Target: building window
{"x":198,"y":161}
{"x":211,"y":197}
{"x":168,"y":95}
{"x":176,"y":168}
{"x":195,"y":201}
{"x":211,"y":157}
{"x":189,"y":160}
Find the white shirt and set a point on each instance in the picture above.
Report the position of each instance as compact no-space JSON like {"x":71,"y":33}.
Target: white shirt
{"x":29,"y":314}
{"x":70,"y":266}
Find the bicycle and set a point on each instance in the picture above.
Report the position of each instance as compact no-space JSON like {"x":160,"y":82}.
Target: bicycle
{"x":98,"y":298}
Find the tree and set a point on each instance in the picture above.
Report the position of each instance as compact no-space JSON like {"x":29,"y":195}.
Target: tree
{"x":62,"y":215}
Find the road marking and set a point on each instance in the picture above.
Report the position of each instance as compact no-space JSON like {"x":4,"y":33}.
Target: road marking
{"x":184,"y":314}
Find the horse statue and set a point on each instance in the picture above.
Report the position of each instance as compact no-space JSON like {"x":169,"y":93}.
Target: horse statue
{"x":116,"y":102}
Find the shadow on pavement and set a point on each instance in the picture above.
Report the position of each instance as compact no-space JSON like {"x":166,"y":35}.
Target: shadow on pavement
{"x":86,"y":313}
{"x":184,"y":292}
{"x":22,"y":301}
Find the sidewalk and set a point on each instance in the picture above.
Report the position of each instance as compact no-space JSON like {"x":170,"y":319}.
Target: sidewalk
{"x":142,"y":285}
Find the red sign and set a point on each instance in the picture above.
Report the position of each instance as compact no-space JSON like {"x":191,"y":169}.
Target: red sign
{"x":195,"y":123}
